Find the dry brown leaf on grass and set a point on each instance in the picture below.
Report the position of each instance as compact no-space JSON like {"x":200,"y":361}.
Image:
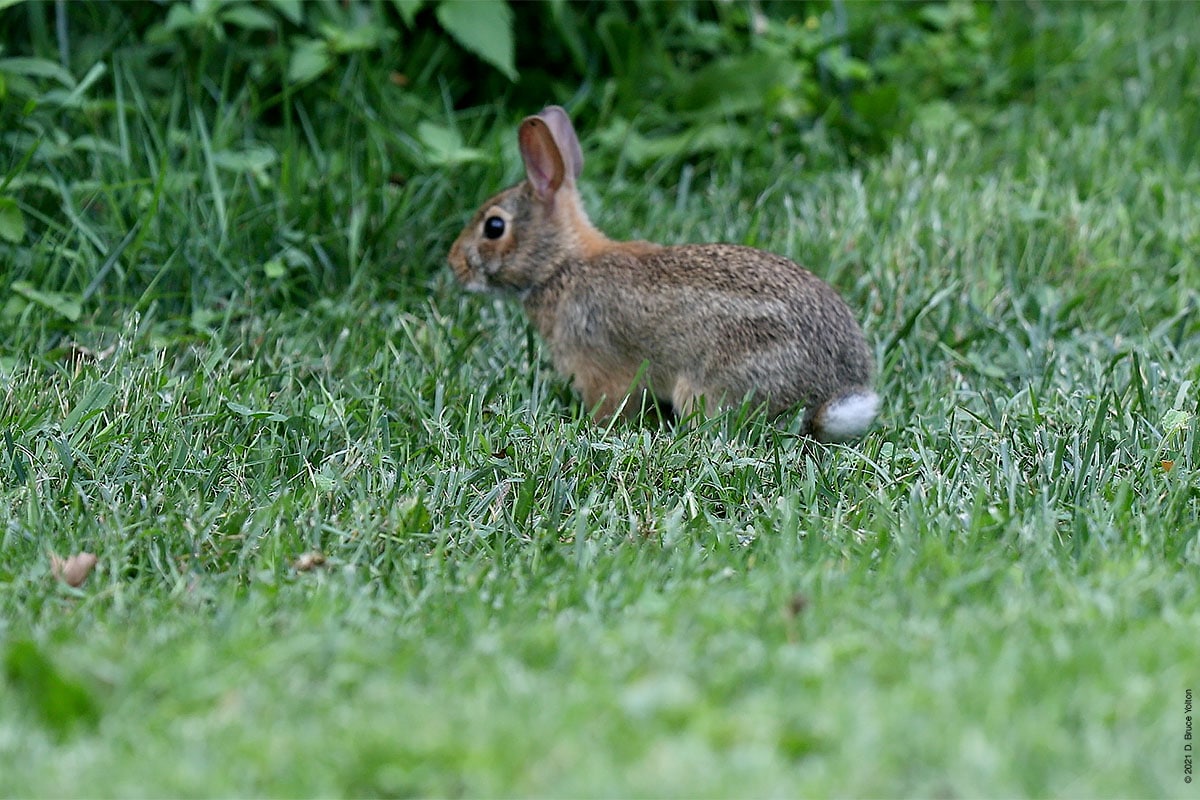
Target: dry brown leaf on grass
{"x":72,"y":571}
{"x":76,"y":354}
{"x":309,"y":561}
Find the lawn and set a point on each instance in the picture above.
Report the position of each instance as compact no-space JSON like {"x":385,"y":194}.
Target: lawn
{"x":995,"y":592}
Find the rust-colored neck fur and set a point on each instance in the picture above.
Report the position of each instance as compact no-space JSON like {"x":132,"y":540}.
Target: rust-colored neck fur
{"x":583,"y":239}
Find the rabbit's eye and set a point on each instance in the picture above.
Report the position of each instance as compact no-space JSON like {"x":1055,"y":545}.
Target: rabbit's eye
{"x":493,"y":227}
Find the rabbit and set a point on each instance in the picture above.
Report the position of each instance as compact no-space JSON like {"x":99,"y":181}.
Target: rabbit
{"x":701,"y":327}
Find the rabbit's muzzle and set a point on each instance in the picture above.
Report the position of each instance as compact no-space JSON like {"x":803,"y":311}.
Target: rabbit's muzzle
{"x":467,"y":265}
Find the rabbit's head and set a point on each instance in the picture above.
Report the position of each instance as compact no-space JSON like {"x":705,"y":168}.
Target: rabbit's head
{"x":518,"y":237}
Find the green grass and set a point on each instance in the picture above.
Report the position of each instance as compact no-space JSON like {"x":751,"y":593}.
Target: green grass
{"x":996,"y":592}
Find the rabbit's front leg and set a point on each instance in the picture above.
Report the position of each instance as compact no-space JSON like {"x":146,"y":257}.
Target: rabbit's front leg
{"x":607,"y":390}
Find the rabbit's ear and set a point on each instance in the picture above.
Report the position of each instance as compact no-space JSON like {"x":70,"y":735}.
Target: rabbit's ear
{"x":564,"y":136}
{"x":543,"y":161}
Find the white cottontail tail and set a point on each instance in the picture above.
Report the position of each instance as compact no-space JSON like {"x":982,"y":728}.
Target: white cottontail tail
{"x":714,"y":321}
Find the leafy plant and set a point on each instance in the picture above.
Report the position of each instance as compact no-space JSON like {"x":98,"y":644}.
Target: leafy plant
{"x":92,"y":91}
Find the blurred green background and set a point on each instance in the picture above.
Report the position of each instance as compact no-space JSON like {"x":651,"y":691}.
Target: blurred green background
{"x":312,"y":136}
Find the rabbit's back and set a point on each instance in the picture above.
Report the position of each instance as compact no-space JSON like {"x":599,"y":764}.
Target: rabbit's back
{"x":748,"y":321}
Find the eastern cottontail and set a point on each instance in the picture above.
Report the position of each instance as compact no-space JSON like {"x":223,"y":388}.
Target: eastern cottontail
{"x":714,"y":321}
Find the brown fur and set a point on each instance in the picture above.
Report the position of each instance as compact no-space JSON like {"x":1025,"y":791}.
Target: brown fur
{"x":715,"y":323}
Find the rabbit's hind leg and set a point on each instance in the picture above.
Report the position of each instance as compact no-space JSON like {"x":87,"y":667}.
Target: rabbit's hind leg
{"x":690,"y":400}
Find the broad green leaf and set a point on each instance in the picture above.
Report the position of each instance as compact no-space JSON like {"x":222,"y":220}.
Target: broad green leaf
{"x":36,"y":68}
{"x":1174,"y":421}
{"x":943,"y":16}
{"x":325,"y":480}
{"x":39,"y":180}
{"x":208,"y":8}
{"x":484,"y":27}
{"x":292,"y":9}
{"x":249,"y":18}
{"x":253,"y":413}
{"x":408,"y":9}
{"x":275,"y":268}
{"x":180,"y":18}
{"x":13,"y":307}
{"x":444,"y":146}
{"x":95,"y":144}
{"x":255,"y":160}
{"x":65,"y":305}
{"x":12,"y":221}
{"x":845,"y":67}
{"x":356,"y":39}
{"x":438,"y":137}
{"x":309,"y":59}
